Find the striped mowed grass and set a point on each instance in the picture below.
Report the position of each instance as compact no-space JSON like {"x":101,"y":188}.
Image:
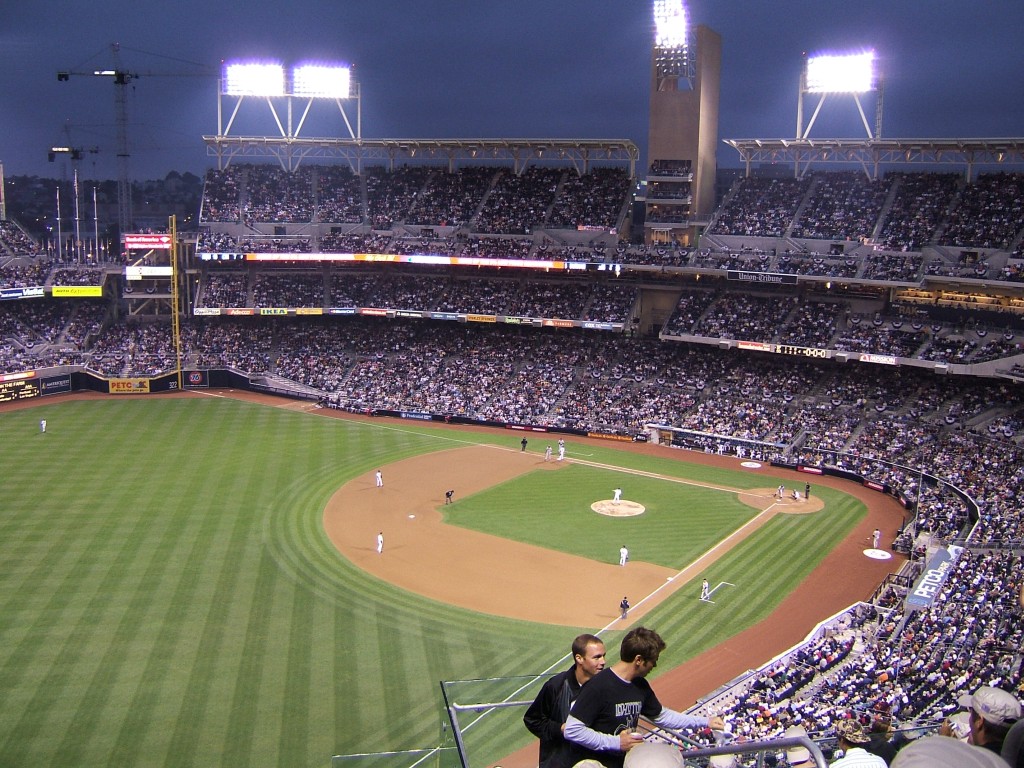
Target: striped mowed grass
{"x":168,"y":596}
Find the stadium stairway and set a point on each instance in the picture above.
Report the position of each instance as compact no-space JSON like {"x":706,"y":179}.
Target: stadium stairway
{"x":883,"y":215}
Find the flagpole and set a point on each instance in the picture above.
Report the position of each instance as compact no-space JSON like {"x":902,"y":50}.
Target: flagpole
{"x":78,"y":223}
{"x":96,"y":223}
{"x":60,"y":236}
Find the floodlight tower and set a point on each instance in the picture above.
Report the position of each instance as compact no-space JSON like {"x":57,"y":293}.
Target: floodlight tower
{"x":840,"y":74}
{"x":273,"y":83}
{"x":686,"y":69}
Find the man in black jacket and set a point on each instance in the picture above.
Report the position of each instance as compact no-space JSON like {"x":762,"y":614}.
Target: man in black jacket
{"x":545,"y":718}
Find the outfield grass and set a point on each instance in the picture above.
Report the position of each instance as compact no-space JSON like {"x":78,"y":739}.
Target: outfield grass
{"x":168,"y":596}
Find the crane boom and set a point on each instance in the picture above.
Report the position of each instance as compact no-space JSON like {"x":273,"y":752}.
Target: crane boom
{"x":121,"y":78}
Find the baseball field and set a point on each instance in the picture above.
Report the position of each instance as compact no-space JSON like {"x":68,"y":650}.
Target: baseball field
{"x":194,"y":580}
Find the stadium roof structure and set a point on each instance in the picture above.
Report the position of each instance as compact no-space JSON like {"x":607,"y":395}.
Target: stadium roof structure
{"x":871,"y":154}
{"x":291,"y":152}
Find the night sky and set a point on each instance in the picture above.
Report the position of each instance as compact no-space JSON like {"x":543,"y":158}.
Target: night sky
{"x":455,"y":69}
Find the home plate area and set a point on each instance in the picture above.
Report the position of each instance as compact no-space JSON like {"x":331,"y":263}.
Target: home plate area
{"x":620,"y":508}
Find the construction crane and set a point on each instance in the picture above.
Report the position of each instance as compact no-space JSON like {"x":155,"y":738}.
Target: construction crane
{"x":121,"y":79}
{"x":75,"y":153}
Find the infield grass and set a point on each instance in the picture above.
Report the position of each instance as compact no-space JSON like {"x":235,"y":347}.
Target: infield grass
{"x":168,"y":596}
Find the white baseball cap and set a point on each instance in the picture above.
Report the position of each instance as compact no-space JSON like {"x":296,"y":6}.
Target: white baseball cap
{"x":943,"y":752}
{"x":654,"y":754}
{"x":994,"y":705}
{"x":796,"y":755}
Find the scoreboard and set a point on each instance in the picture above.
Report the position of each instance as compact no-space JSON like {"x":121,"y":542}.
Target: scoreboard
{"x":18,"y":389}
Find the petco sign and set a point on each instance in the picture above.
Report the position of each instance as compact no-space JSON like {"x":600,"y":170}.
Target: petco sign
{"x":930,"y":583}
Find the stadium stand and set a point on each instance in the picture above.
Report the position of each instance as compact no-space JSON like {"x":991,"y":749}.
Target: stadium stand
{"x":920,"y":393}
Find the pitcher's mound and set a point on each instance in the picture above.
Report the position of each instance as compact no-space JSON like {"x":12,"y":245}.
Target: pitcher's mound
{"x":622,"y":509}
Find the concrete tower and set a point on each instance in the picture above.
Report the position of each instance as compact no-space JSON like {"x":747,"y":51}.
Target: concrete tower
{"x":682,"y":137}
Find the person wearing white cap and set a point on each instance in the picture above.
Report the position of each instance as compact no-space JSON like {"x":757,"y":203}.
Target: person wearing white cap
{"x":723,"y":761}
{"x":797,"y":756}
{"x":943,"y":752}
{"x":651,"y":754}
{"x":992,"y":712}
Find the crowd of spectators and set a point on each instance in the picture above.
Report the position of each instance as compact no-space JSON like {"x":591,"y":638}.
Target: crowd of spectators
{"x":595,"y":199}
{"x":225,"y":343}
{"x":920,"y":204}
{"x":138,"y":349}
{"x":760,"y":207}
{"x":496,"y":213}
{"x":841,"y":206}
{"x":78,"y":275}
{"x":265,"y":244}
{"x":24,"y":273}
{"x":877,"y":662}
{"x":921,"y":329}
{"x":390,"y":195}
{"x":216,"y":242}
{"x":225,"y":289}
{"x":14,"y":241}
{"x":451,"y":199}
{"x":610,"y":303}
{"x":874,"y":337}
{"x":350,"y":242}
{"x":518,"y":202}
{"x":673,"y":168}
{"x":550,"y":300}
{"x":690,"y":307}
{"x":896,"y":414}
{"x":497,"y":247}
{"x":339,"y":195}
{"x":32,"y":323}
{"x":989,"y":212}
{"x":500,"y":200}
{"x":222,"y":195}
{"x":274,"y":194}
{"x":823,"y":265}
{"x":812,"y":325}
{"x":893,"y":267}
{"x":749,"y":317}
{"x":288,"y":290}
{"x":913,"y":209}
{"x":661,"y":255}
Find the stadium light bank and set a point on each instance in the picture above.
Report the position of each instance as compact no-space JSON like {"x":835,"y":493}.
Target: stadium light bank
{"x":273,"y":82}
{"x":840,"y":74}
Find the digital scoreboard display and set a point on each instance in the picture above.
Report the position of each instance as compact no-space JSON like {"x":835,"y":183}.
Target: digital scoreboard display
{"x":18,"y":389}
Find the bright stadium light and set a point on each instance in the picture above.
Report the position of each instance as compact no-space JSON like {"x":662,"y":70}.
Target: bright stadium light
{"x":847,"y":73}
{"x":669,"y":24}
{"x":671,"y":49}
{"x":281,"y":84}
{"x":323,"y":81}
{"x":840,"y":75}
{"x":253,"y":79}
